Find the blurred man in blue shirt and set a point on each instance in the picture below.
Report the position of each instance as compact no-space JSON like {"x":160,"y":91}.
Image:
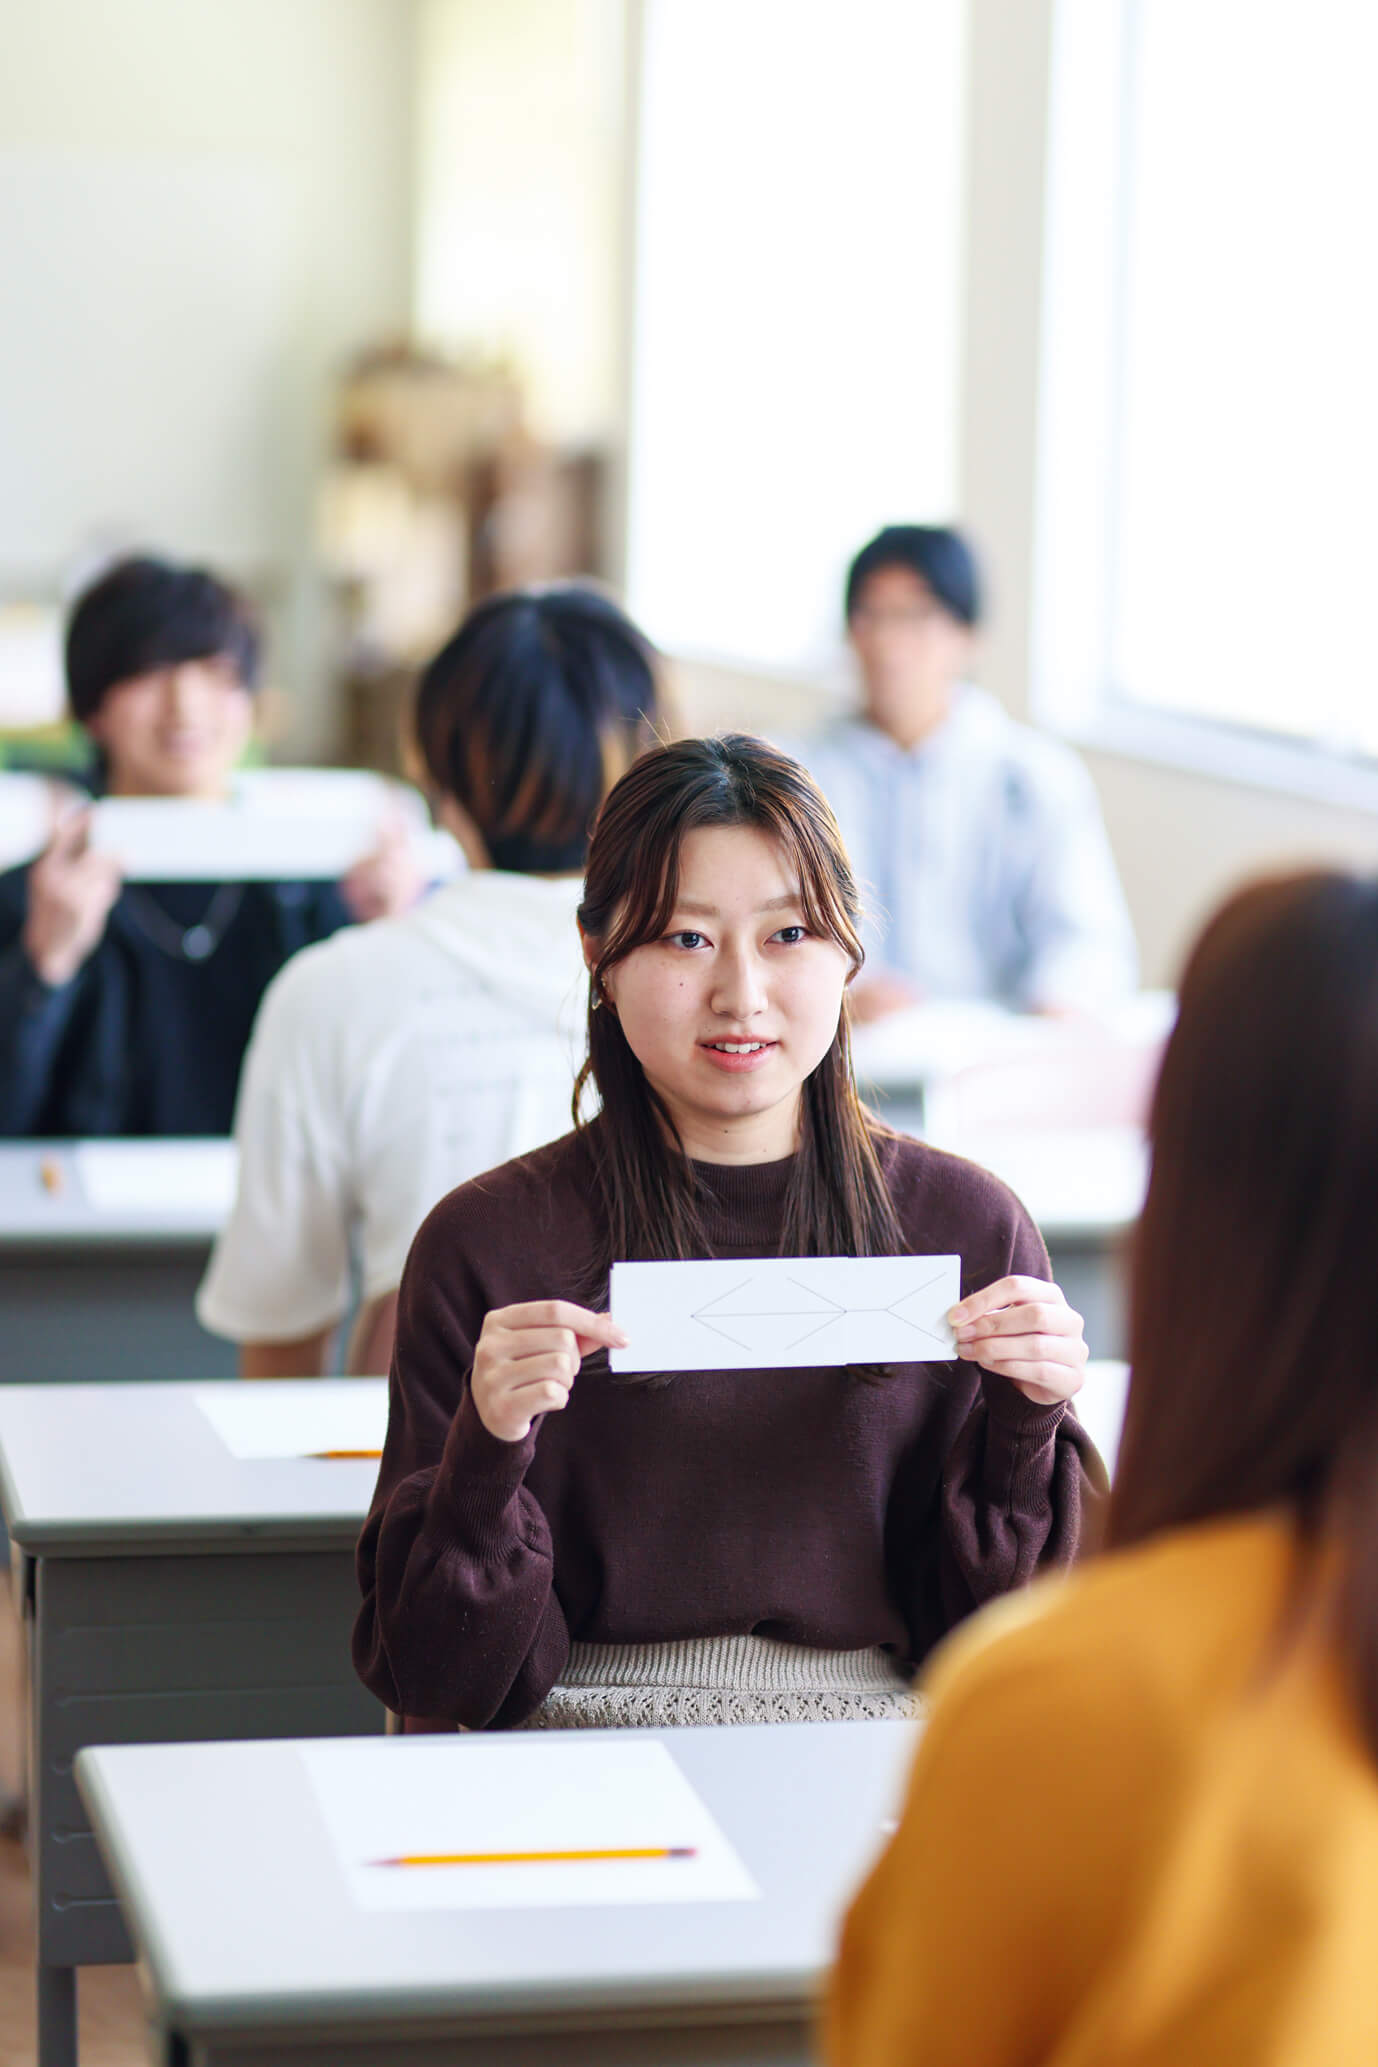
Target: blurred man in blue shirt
{"x":979,"y":842}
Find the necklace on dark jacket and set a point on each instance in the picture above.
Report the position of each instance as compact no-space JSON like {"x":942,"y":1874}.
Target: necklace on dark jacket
{"x":195,"y":943}
{"x":147,"y":1038}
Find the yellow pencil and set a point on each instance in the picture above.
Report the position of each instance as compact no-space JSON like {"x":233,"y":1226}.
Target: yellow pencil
{"x":330,"y":1456}
{"x":537,"y":1858}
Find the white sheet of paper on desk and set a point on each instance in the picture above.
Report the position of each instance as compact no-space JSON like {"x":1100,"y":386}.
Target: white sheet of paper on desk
{"x":566,"y":1793}
{"x":162,"y":1177}
{"x":298,"y":1417}
{"x":784,"y":1312}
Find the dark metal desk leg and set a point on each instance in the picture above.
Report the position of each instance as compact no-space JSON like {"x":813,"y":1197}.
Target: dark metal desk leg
{"x":57,"y":2017}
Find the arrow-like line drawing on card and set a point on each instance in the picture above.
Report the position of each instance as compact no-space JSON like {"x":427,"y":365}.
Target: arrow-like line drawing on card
{"x":739,"y":1319}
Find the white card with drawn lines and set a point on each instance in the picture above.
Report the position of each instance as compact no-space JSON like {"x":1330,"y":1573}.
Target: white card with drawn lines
{"x":784,"y":1312}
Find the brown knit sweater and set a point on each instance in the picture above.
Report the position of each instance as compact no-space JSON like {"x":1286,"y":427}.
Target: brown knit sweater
{"x":821,"y":1507}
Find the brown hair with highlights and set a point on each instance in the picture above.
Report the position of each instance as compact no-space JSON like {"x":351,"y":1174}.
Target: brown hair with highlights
{"x":1254,"y":1327}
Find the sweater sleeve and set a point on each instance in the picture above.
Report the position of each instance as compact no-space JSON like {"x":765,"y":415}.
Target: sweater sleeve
{"x":1018,"y":1864}
{"x":459,"y":1621}
{"x":1015,"y":1492}
{"x":34,"y":1018}
{"x":1018,"y":1479}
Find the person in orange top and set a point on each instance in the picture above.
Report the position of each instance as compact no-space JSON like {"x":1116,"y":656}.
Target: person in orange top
{"x":1143,"y":1822}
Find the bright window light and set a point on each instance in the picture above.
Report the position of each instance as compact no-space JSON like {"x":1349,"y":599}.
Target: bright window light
{"x":1210,"y":438}
{"x":798,"y":283}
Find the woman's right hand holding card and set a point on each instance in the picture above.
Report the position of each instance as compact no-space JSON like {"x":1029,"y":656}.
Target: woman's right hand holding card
{"x":528,"y":1358}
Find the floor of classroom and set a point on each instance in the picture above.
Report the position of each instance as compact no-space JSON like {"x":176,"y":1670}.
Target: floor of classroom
{"x":111,"y":2029}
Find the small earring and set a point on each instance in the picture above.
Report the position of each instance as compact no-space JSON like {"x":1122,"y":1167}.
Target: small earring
{"x":596,"y":1005}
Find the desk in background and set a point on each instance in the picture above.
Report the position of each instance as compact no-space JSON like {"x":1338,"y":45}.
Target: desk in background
{"x":254,"y":1950}
{"x":172,"y":1590}
{"x":1056,"y":1107}
{"x":102,"y":1247}
{"x":1084,"y":1187}
{"x":907,"y":1057}
{"x":1100,"y":1406}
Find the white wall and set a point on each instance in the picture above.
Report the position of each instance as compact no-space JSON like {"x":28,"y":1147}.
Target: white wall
{"x":1181,"y":839}
{"x":519,"y":196}
{"x":796,"y":343}
{"x":205,"y":206}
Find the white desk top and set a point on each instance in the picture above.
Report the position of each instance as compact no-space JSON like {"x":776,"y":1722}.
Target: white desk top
{"x":241,"y":1906}
{"x":126,"y":1468}
{"x":1100,"y":1405}
{"x":1086,"y":1182}
{"x":907,"y":1050}
{"x":72,"y":1193}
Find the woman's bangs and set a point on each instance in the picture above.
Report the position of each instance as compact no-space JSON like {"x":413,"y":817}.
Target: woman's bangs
{"x":642,"y":914}
{"x":819,"y":895}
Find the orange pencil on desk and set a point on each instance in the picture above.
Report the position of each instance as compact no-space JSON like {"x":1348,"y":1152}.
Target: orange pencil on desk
{"x":539,"y":1858}
{"x":335,"y":1456}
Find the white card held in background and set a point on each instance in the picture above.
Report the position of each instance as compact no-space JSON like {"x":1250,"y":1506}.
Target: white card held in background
{"x":182,"y":840}
{"x":784,"y":1312}
{"x":304,"y":1417}
{"x":538,"y":1822}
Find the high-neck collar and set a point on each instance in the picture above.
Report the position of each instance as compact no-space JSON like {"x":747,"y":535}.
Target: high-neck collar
{"x":743,"y":1203}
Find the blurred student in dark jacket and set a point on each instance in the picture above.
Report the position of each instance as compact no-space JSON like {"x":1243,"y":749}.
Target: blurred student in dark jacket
{"x":125,"y":1008}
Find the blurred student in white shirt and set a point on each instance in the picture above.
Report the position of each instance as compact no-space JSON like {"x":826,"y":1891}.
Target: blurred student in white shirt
{"x":390,"y":1064}
{"x":979,"y":842}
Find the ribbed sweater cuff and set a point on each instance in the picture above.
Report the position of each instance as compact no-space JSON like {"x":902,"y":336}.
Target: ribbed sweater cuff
{"x":1018,"y":1434}
{"x":41,"y":1005}
{"x":479,"y":1476}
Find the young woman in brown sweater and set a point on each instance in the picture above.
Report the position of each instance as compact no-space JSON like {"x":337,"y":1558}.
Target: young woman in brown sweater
{"x":553,"y":1544}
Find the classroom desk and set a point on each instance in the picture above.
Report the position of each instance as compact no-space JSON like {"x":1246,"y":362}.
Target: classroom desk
{"x":1084,"y":1187}
{"x":1062,"y":1127}
{"x":903,"y":1059}
{"x":102,"y":1247}
{"x":1100,"y":1406}
{"x":265,"y":1956}
{"x":169,"y":1590}
{"x":904,"y":1053}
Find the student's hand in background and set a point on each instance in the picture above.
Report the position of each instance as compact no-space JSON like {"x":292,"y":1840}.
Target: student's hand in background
{"x":877,"y":996}
{"x":528,"y":1358}
{"x":71,"y":890}
{"x":1024,"y":1329}
{"x":390,"y":879}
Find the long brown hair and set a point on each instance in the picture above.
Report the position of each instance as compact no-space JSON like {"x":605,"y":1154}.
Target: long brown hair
{"x":837,"y":1202}
{"x":1254,"y":1322}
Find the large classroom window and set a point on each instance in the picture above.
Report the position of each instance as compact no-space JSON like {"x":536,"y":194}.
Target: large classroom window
{"x":796,"y":348}
{"x":1208,"y":492}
